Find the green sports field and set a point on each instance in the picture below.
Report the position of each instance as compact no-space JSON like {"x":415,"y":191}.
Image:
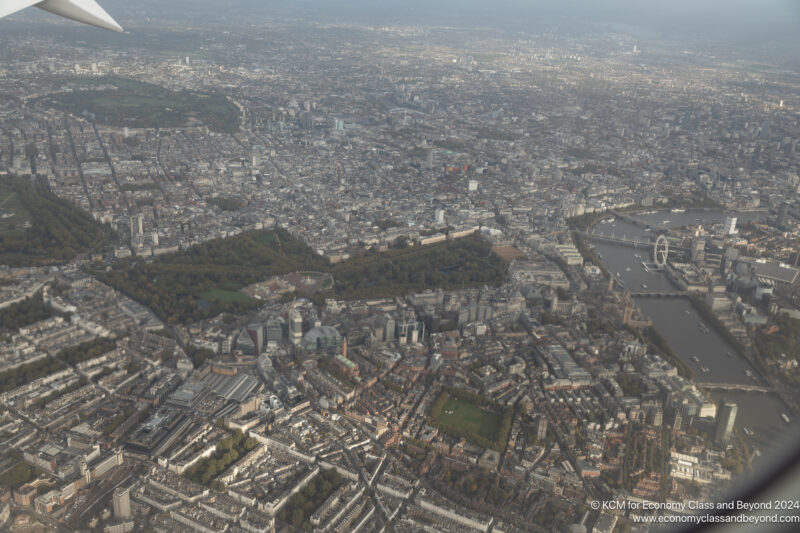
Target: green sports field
{"x":222,"y":295}
{"x":463,"y":414}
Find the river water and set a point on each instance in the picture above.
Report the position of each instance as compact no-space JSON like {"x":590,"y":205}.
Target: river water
{"x":679,"y":323}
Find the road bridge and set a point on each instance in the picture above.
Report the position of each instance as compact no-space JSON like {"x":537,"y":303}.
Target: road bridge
{"x":660,"y":294}
{"x":633,"y":242}
{"x":732,"y":387}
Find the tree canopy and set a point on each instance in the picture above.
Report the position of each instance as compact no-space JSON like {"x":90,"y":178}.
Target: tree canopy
{"x":58,"y":229}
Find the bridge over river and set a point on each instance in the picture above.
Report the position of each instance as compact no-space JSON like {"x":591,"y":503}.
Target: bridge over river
{"x":732,"y":387}
{"x":633,"y":242}
{"x":660,"y":294}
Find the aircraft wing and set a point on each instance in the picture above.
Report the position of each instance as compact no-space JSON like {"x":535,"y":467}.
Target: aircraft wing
{"x":86,"y":11}
{"x":12,"y":6}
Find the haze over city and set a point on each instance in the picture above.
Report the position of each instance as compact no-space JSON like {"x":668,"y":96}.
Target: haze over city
{"x":398,"y":266}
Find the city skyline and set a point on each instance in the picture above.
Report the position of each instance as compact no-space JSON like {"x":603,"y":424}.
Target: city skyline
{"x":312,"y":272}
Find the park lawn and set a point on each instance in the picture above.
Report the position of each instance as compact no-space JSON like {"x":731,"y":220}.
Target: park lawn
{"x":145,"y":105}
{"x":136,"y":102}
{"x":267,"y":238}
{"x":9,"y":201}
{"x":17,"y":475}
{"x":463,"y":414}
{"x":5,"y":193}
{"x":223,"y":295}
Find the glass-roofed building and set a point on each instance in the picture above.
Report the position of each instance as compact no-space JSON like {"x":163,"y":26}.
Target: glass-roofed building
{"x":322,"y":338}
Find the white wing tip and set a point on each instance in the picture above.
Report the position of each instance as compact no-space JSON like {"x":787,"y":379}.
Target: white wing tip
{"x":86,"y":11}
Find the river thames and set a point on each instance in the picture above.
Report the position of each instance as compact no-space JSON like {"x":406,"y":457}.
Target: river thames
{"x":711,"y":359}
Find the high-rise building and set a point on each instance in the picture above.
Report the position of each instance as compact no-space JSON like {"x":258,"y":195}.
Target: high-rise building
{"x":306,"y":120}
{"x":155,"y":238}
{"x":725,"y":420}
{"x":122,"y":503}
{"x":472,"y":186}
{"x":245,"y":344}
{"x":730,"y":226}
{"x":429,"y":159}
{"x":256,"y":333}
{"x":274,"y":328}
{"x":296,"y":327}
{"x":389,"y":328}
{"x":439,"y":215}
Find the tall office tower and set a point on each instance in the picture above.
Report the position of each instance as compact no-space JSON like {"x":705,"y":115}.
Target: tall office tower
{"x":725,"y":419}
{"x":122,"y":503}
{"x":296,"y":327}
{"x":429,"y":159}
{"x":730,"y":226}
{"x":439,"y":215}
{"x":155,"y":238}
{"x":274,"y":330}
{"x":389,"y":328}
{"x":306,"y":120}
{"x":256,"y":333}
{"x":472,"y":186}
{"x":137,"y":225}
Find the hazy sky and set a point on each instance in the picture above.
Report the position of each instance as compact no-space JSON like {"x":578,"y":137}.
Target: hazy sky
{"x":733,"y":20}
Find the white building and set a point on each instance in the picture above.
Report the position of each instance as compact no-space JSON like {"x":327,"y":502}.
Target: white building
{"x":730,"y":226}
